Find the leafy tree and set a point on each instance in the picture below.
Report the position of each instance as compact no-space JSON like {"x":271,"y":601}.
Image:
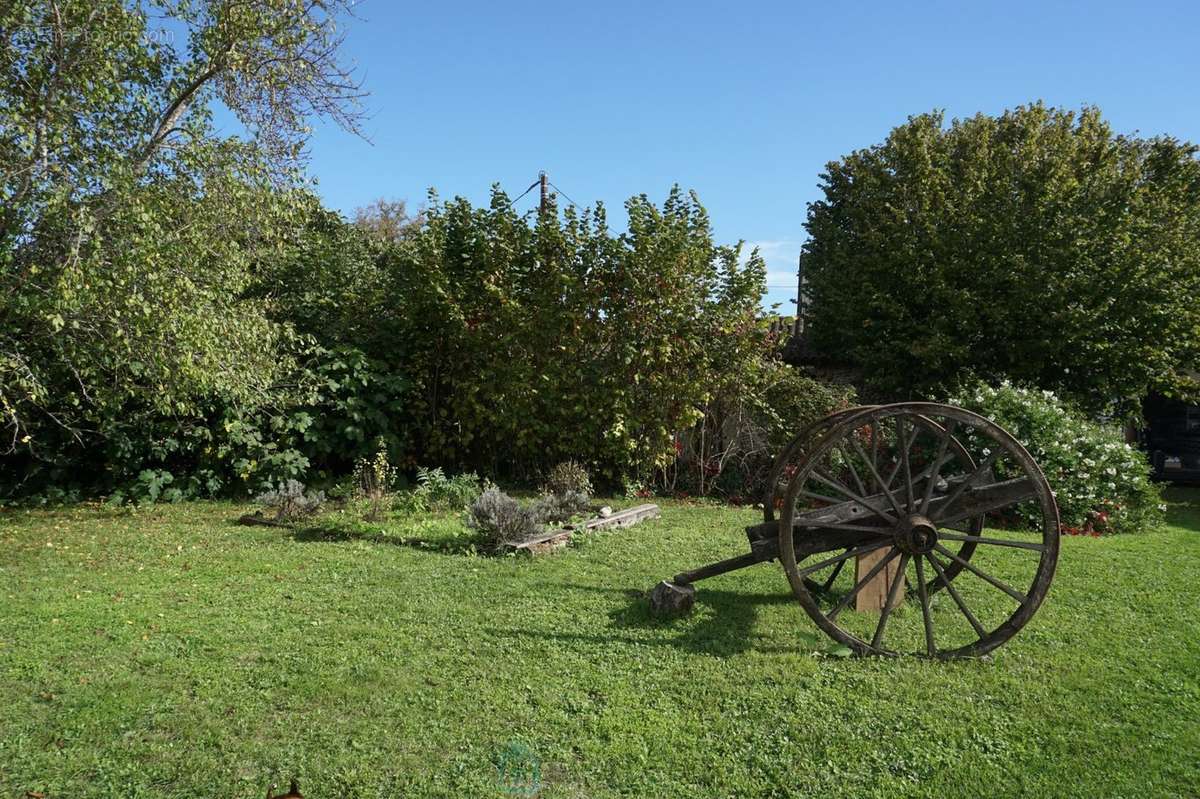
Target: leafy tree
{"x":531,"y":344}
{"x":128,"y":229}
{"x":1036,"y":245}
{"x":387,"y":219}
{"x":329,"y":286}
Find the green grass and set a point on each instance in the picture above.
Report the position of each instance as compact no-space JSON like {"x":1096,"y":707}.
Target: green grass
{"x":169,"y":653}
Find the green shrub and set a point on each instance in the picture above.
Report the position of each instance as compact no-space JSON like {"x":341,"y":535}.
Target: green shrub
{"x":1037,"y":245}
{"x":462,"y":490}
{"x":788,"y":399}
{"x":498,"y":519}
{"x":568,"y":476}
{"x":450,"y":493}
{"x":531,"y":344}
{"x":1102,"y":484}
{"x":338,"y":405}
{"x":729,"y":452}
{"x":561,"y":507}
{"x":480,"y":342}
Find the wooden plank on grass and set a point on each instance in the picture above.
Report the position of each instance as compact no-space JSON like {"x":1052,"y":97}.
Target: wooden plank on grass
{"x":625,"y":518}
{"x":554,"y":539}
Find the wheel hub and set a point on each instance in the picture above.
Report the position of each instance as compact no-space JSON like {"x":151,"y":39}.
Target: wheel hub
{"x":916,"y":535}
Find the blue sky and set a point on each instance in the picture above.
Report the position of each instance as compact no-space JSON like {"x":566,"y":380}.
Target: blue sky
{"x":743,"y":102}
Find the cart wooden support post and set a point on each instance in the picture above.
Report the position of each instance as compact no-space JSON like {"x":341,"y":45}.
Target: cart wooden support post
{"x":874,"y":595}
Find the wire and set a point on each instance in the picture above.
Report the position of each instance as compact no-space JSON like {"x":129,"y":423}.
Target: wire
{"x":564,"y":194}
{"x":532,"y":186}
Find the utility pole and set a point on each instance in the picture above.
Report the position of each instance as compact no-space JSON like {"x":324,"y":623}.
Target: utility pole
{"x":544,"y":182}
{"x":798,"y":328}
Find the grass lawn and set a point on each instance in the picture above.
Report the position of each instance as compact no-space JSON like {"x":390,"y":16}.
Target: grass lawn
{"x":169,"y":653}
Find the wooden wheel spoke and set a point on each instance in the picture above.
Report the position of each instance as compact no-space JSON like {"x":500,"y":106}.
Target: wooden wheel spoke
{"x":858,"y":483}
{"x":819,"y":497}
{"x":906,"y":445}
{"x":841,"y":489}
{"x":958,"y":600}
{"x":958,"y":491}
{"x":842,"y":558}
{"x":878,"y":479}
{"x":923,"y":593}
{"x":993,"y":581}
{"x":943,"y":451}
{"x":861,"y":584}
{"x":899,"y":462}
{"x":836,"y":571}
{"x":891,"y":601}
{"x":874,"y":461}
{"x":924,"y":474}
{"x":1000,"y":542}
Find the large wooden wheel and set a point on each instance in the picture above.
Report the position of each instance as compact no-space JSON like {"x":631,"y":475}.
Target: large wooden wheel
{"x":788,"y":462}
{"x":937,"y":496}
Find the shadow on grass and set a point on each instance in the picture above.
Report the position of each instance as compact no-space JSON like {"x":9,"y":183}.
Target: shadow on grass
{"x":1183,"y":506}
{"x":721,"y":623}
{"x":332,"y":534}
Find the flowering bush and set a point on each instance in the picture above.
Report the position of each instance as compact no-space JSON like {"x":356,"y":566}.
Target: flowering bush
{"x":1102,"y":484}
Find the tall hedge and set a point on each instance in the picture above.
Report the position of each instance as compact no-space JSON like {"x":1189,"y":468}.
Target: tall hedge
{"x":1037,"y":245}
{"x":528,"y":344}
{"x":484,"y":340}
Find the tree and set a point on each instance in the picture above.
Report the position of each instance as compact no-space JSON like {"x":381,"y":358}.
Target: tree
{"x":129,"y":230}
{"x":388,"y":220}
{"x":1036,"y":245}
{"x":530,"y":344}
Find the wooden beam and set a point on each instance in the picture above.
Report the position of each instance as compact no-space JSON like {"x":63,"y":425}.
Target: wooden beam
{"x":625,"y":518}
{"x":555,"y":539}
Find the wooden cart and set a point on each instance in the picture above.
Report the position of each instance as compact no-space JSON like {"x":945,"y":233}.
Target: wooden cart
{"x":949,"y":524}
